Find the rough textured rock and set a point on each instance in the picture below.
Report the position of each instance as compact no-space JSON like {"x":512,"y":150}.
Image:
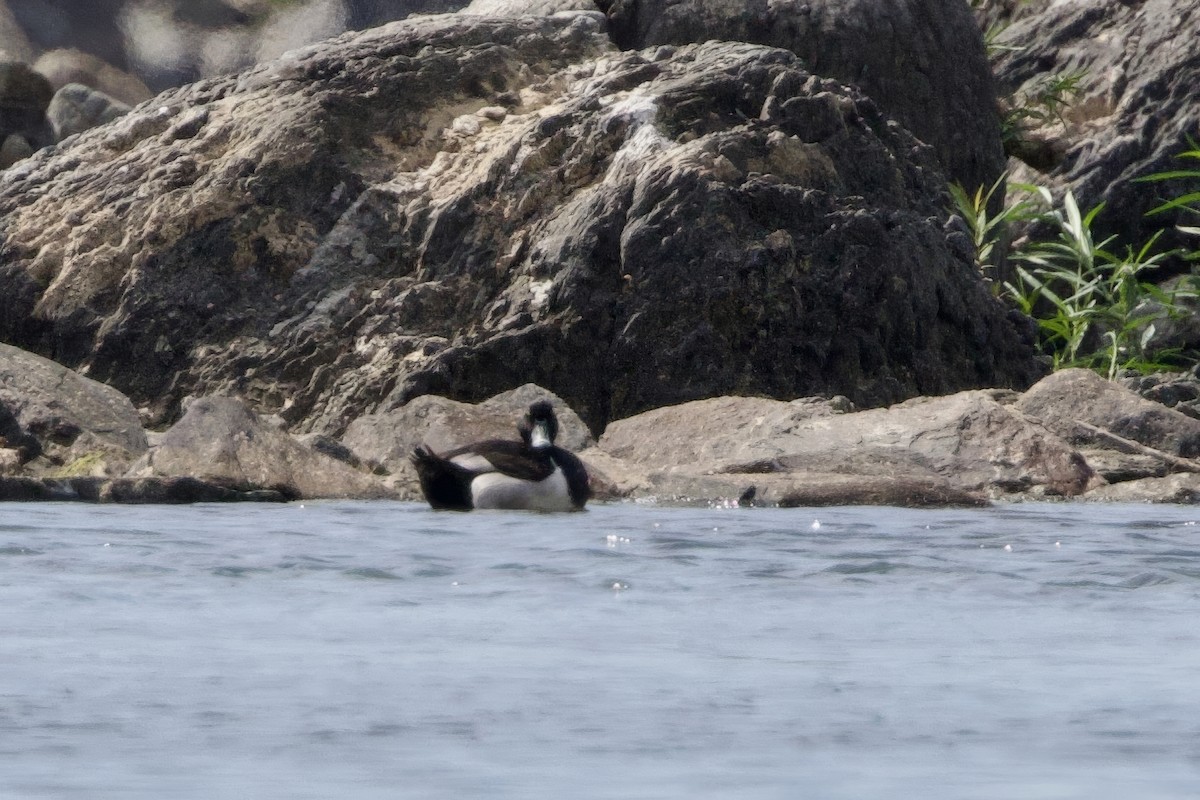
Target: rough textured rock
{"x":77,"y":108}
{"x":922,"y":61}
{"x":519,"y":8}
{"x":1080,"y":405}
{"x":219,"y":440}
{"x":459,"y":205}
{"x":1178,"y":488}
{"x":968,"y":442}
{"x":47,"y":410}
{"x":1137,"y":104}
{"x":62,"y":67}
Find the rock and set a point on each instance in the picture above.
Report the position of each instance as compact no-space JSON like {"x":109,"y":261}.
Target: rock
{"x":717,"y":430}
{"x":172,"y":490}
{"x":922,"y":61}
{"x":14,"y":148}
{"x":1135,"y":109}
{"x":535,"y":8}
{"x":1179,"y":488}
{"x":48,"y":409}
{"x":1079,"y":405}
{"x":388,"y":437}
{"x":219,"y":440}
{"x":63,"y":67}
{"x":24,"y":97}
{"x":635,"y":233}
{"x":77,"y":108}
{"x":970,"y":443}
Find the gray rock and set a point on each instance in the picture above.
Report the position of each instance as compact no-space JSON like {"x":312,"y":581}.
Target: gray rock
{"x":47,"y":409}
{"x":1136,"y":108}
{"x":77,"y":108}
{"x":65,"y":66}
{"x":1080,"y":405}
{"x":14,"y":148}
{"x":219,"y":440}
{"x":1178,"y":488}
{"x":537,"y":8}
{"x":922,"y":61}
{"x":956,"y":448}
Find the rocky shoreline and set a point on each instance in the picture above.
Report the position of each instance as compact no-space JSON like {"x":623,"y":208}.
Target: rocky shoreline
{"x":674,"y":218}
{"x":1072,"y":436}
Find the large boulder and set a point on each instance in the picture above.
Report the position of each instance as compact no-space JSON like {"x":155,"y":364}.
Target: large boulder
{"x":922,"y":61}
{"x":459,"y":205}
{"x":1079,"y":405}
{"x":219,"y":440}
{"x":969,"y":444}
{"x":1137,"y":76}
{"x":50,"y":412}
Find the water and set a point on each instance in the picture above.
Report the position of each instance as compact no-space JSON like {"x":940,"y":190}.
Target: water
{"x":380,"y":650}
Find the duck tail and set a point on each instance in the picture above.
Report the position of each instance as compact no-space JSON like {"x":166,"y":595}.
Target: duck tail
{"x":444,"y":484}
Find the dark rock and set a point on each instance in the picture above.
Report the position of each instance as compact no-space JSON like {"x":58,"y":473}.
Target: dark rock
{"x":159,"y":490}
{"x":1135,"y":110}
{"x":77,"y":108}
{"x":24,"y":97}
{"x":219,"y":440}
{"x":459,"y":205}
{"x":922,"y":61}
{"x":14,"y":148}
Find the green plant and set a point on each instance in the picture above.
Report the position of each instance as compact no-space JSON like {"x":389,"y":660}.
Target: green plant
{"x":1187,"y":203}
{"x":1093,"y":308}
{"x":1043,"y":103}
{"x":987,"y":228}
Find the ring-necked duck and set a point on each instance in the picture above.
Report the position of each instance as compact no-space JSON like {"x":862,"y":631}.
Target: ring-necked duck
{"x":533,"y":474}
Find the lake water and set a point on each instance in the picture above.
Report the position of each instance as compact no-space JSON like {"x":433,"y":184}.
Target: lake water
{"x":381,"y":650}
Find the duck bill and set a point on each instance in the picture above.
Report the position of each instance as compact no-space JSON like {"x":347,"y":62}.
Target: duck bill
{"x":540,"y":436}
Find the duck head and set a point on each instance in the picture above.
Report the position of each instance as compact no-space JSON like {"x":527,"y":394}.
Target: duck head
{"x":539,"y":427}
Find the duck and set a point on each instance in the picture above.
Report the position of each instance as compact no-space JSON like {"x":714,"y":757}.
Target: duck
{"x":533,"y":474}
